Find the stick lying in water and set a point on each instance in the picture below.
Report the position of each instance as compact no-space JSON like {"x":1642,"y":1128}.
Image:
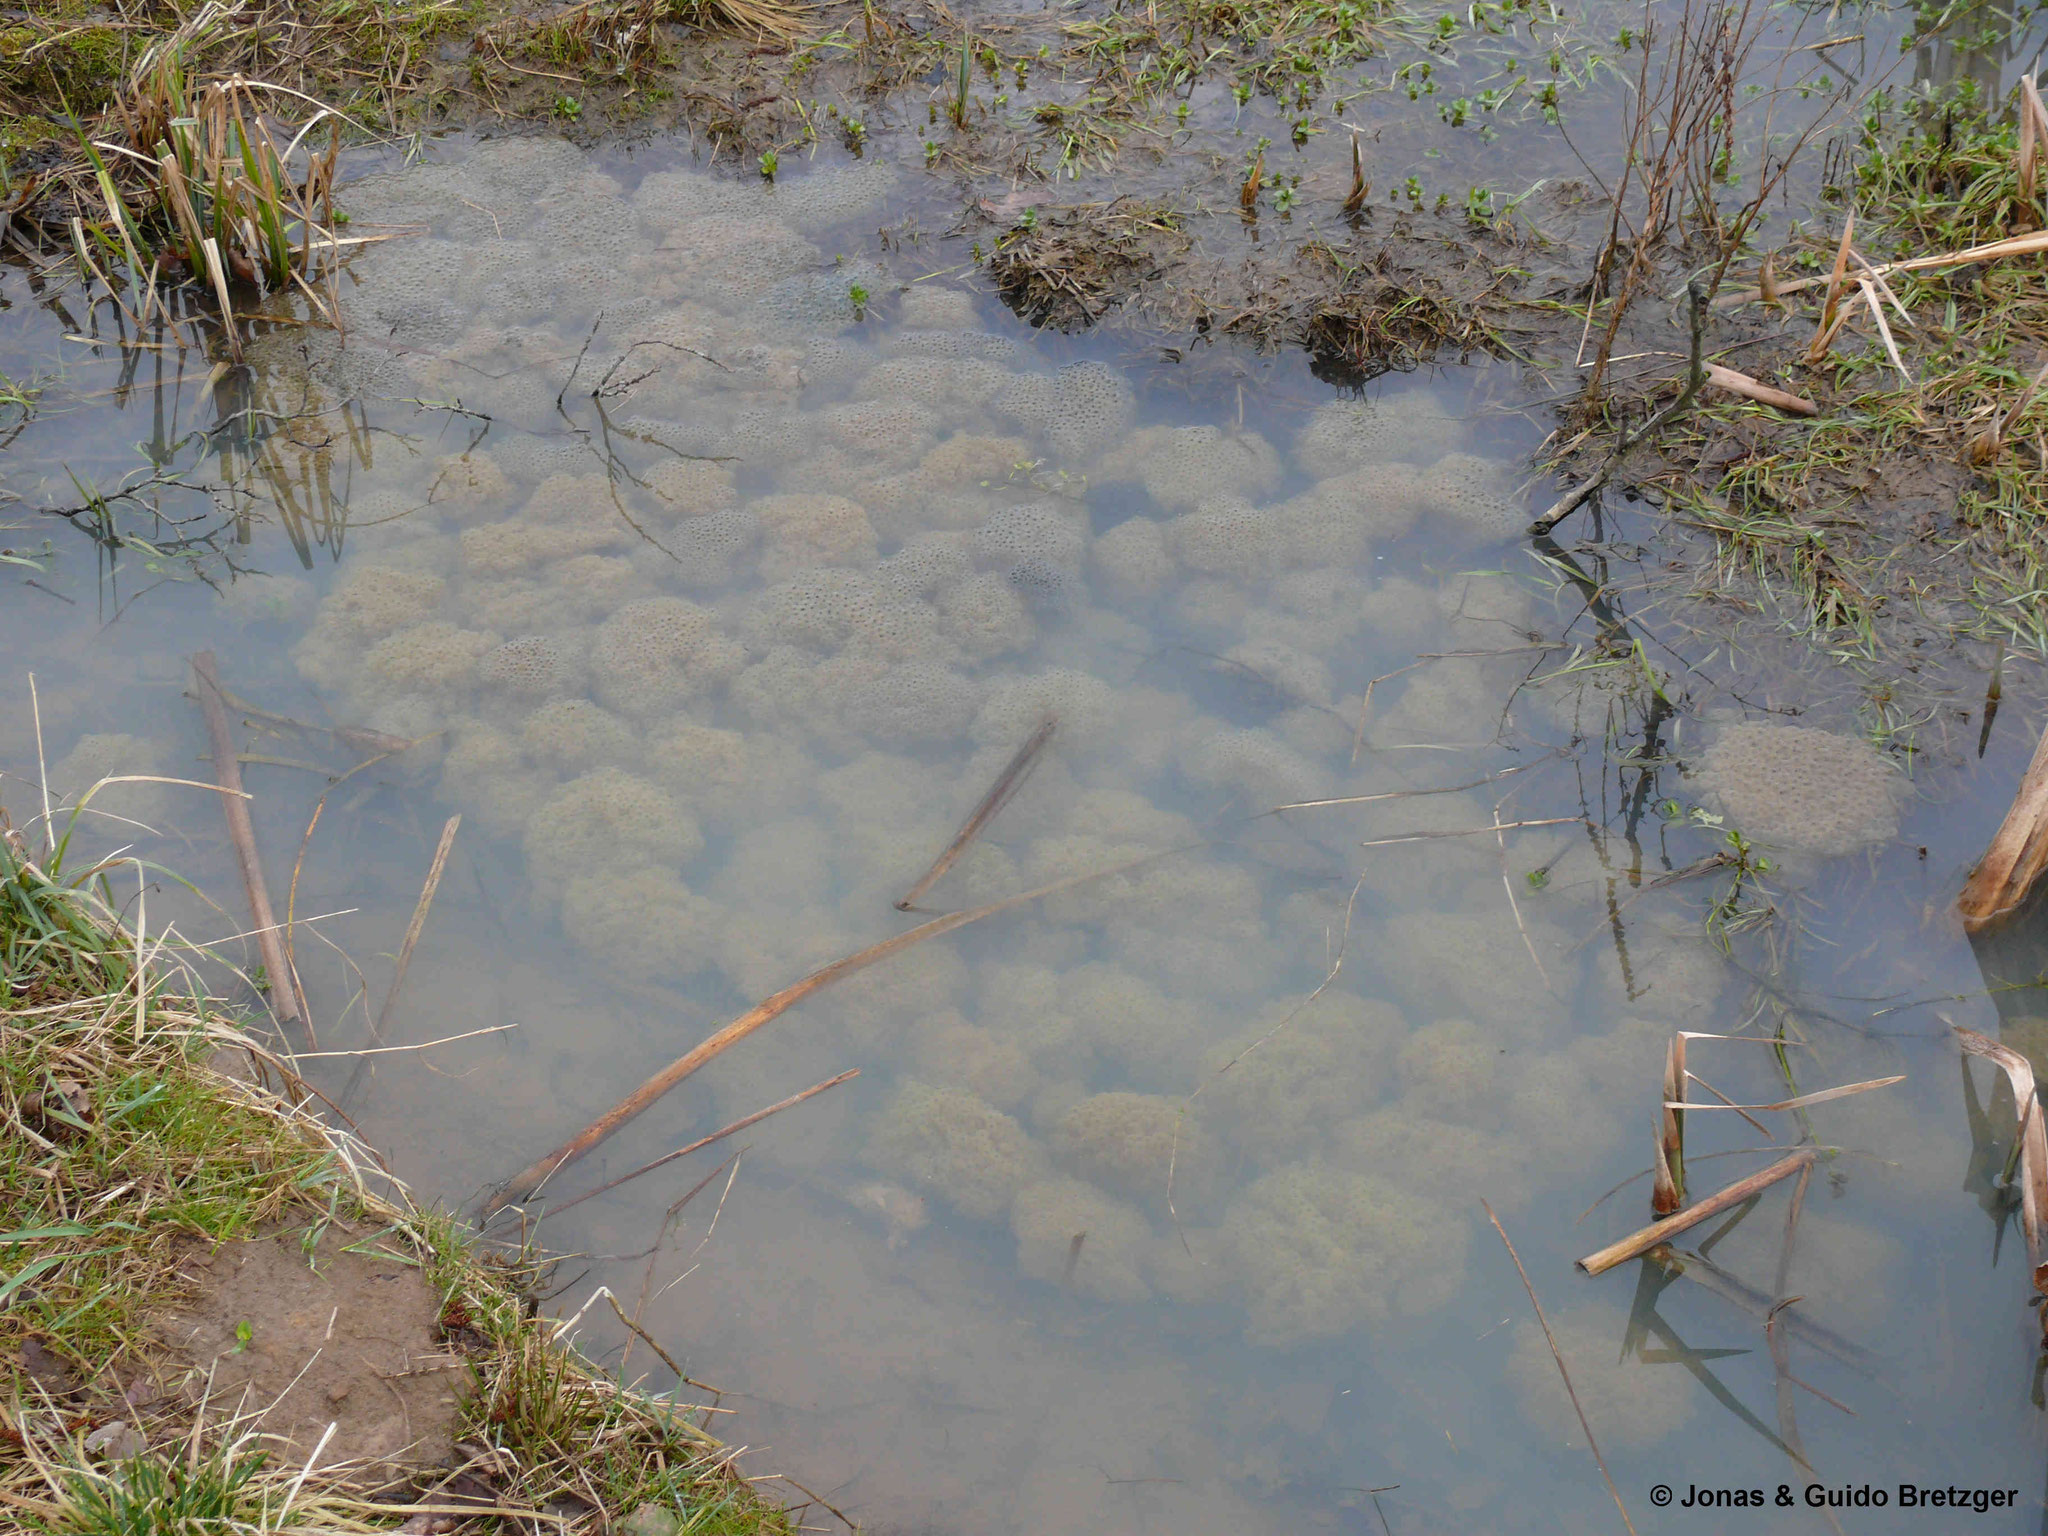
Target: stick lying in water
{"x":1638,"y":1243}
{"x":642,"y":1098}
{"x":1000,"y":794}
{"x":704,"y":1141}
{"x":381,"y":1029}
{"x":419,"y":921}
{"x":227,"y":772}
{"x":1557,"y":1355}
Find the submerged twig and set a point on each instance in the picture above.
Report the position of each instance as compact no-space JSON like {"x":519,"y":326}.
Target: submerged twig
{"x":1000,"y":794}
{"x":1565,"y":1375}
{"x":284,"y":991}
{"x":419,"y":921}
{"x":528,"y":1180}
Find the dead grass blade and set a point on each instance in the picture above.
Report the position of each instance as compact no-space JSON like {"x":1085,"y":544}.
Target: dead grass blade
{"x":1360,"y":188}
{"x":2018,"y":852}
{"x":1884,"y":329}
{"x":1824,"y":333}
{"x":218,"y":273}
{"x":1000,"y":794}
{"x":2033,"y":138}
{"x":1636,"y":1244}
{"x":1804,"y":1100}
{"x":284,"y":990}
{"x":1497,"y":828}
{"x":1985,"y":446}
{"x":524,"y":1184}
{"x":1565,"y":1375}
{"x":2033,"y":1140}
{"x":1514,"y":906}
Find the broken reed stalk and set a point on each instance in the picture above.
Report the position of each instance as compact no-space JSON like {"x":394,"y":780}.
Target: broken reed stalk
{"x":2032,"y":1140}
{"x":1696,"y":375}
{"x":702,"y":1142}
{"x":1000,"y":794}
{"x":227,"y":772}
{"x":1667,"y":1193}
{"x":1764,"y":394}
{"x":1557,"y":1355}
{"x":2017,"y":854}
{"x":1636,"y":1244}
{"x":523,"y":1185}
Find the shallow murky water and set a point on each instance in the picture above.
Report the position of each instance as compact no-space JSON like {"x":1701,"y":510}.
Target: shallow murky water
{"x":721,"y":572}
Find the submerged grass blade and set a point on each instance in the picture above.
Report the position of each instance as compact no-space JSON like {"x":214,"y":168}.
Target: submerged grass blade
{"x":1000,"y":794}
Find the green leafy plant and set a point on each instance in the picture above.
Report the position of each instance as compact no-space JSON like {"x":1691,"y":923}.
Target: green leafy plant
{"x":958,"y":108}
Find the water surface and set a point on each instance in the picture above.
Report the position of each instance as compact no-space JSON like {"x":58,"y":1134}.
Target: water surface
{"x":719,"y":561}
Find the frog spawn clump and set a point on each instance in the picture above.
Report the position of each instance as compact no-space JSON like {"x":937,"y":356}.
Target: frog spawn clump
{"x":1321,"y":1250}
{"x":1799,"y":788}
{"x":947,"y":1143}
{"x":928,"y":639}
{"x":658,"y":654}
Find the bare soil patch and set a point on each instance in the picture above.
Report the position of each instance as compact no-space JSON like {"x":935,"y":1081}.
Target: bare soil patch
{"x":331,"y":1346}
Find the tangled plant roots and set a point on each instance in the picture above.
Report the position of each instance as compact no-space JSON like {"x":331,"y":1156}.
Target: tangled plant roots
{"x":1067,"y":268}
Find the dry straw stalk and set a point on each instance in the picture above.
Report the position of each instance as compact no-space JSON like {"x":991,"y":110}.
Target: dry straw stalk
{"x":1636,"y":1244}
{"x":2017,"y":855}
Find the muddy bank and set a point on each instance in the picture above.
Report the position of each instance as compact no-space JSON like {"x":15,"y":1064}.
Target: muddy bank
{"x":221,"y":1309}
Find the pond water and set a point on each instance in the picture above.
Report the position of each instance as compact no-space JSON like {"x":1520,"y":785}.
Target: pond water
{"x":719,"y":564}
